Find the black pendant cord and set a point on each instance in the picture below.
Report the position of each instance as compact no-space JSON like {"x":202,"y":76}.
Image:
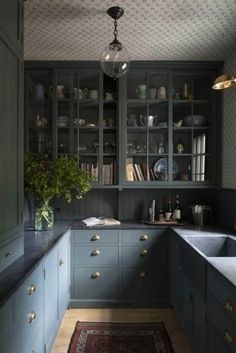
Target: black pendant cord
{"x":115,"y":30}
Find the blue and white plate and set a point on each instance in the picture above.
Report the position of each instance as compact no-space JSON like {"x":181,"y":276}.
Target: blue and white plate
{"x":160,"y":169}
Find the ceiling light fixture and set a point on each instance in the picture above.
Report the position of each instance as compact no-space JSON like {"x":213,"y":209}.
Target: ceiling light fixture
{"x":224,"y":81}
{"x":115,"y":60}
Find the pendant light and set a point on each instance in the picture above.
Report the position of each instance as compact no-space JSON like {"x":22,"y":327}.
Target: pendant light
{"x":224,"y":81}
{"x":115,"y":60}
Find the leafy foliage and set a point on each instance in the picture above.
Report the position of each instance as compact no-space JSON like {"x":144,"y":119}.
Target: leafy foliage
{"x":46,"y":179}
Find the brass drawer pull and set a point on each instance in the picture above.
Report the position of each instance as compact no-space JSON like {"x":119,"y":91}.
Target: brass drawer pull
{"x":95,"y":252}
{"x":228,"y":336}
{"x":229,"y":306}
{"x":95,"y":237}
{"x":143,"y":253}
{"x":31,"y":289}
{"x":95,"y":274}
{"x":143,"y":274}
{"x":8,"y":253}
{"x":31,"y":317}
{"x":144,"y":237}
{"x":61,"y":262}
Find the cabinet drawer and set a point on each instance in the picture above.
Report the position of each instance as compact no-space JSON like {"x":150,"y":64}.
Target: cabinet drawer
{"x":95,"y":283}
{"x":215,"y":343}
{"x":223,"y":294}
{"x":10,"y":252}
{"x":6,"y":322}
{"x":144,"y":255}
{"x":29,"y":293}
{"x":143,"y":236}
{"x":146,"y":283}
{"x":224,"y":325}
{"x":95,"y":236}
{"x":101,"y":255}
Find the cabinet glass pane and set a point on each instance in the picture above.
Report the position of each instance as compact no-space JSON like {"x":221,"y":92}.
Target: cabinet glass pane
{"x":39,"y":112}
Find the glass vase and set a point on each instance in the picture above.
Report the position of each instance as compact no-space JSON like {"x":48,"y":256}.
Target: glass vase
{"x":44,"y":217}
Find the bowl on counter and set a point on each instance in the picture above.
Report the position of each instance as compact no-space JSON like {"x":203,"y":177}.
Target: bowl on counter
{"x":195,"y":121}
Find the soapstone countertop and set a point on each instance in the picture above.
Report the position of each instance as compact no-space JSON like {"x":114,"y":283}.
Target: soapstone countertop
{"x":226,"y":266}
{"x":38,"y":244}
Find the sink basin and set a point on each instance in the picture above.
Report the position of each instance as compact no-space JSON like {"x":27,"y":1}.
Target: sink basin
{"x":214,"y":246}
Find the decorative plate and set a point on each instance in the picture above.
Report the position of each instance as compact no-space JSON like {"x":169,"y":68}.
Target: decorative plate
{"x":160,"y":169}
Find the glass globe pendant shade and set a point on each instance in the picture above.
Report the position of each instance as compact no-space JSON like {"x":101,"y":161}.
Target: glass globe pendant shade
{"x":115,"y":60}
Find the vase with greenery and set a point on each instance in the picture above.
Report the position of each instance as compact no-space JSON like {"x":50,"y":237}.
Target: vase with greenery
{"x":45,"y":179}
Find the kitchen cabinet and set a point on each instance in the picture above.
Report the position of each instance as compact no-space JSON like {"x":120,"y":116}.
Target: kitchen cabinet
{"x":175,"y":275}
{"x":11,"y":135}
{"x":70,"y":112}
{"x":221,"y":300}
{"x":119,"y":268}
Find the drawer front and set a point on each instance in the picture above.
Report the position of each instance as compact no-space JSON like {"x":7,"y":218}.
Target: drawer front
{"x":6,"y":322}
{"x":223,"y":294}
{"x":24,"y":331}
{"x":95,"y":283}
{"x":29,"y":293}
{"x":10,"y":252}
{"x":95,"y":236}
{"x":143,"y":236}
{"x":144,"y":255}
{"x":36,"y":345}
{"x":101,"y":255}
{"x":215,"y":344}
{"x":143,"y":284}
{"x":224,"y":325}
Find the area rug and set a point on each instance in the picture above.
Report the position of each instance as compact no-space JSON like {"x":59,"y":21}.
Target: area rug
{"x":122,"y":337}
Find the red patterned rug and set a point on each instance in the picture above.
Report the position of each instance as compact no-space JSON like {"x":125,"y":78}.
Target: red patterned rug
{"x":122,"y":337}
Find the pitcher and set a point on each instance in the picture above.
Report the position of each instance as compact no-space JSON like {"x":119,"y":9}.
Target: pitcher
{"x":38,"y":90}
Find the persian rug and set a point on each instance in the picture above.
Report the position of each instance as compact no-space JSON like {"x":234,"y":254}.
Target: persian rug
{"x":120,"y":337}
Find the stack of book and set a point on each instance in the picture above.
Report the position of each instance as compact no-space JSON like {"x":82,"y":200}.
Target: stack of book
{"x":91,"y":168}
{"x":109,"y":172}
{"x":138,"y":171}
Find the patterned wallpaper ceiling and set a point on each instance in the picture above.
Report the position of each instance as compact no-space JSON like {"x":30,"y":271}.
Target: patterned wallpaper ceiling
{"x":150,"y":29}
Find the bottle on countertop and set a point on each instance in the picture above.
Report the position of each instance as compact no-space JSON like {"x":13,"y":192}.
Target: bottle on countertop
{"x":168,"y":210}
{"x":177,"y":214}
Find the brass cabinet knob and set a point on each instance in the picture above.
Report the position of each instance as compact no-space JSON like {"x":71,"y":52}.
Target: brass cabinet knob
{"x":31,"y":317}
{"x":95,"y":274}
{"x":8,"y":253}
{"x":61,"y":262}
{"x":229,"y":306}
{"x":95,"y":252}
{"x":228,"y":336}
{"x":143,"y":274}
{"x":189,"y":298}
{"x":31,"y":289}
{"x":143,"y":253}
{"x":95,"y":237}
{"x":144,"y":237}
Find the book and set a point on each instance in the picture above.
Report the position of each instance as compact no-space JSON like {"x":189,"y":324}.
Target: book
{"x":100,"y":221}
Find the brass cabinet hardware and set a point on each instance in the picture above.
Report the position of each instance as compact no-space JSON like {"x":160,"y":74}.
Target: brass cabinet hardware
{"x":31,"y":317}
{"x":143,"y":274}
{"x":229,"y":306}
{"x":95,"y":237}
{"x":228,"y":336}
{"x":61,"y":262}
{"x":144,"y":237}
{"x":95,"y":252}
{"x":31,"y":289}
{"x":8,"y":253}
{"x":95,"y":274}
{"x":189,"y":298}
{"x":33,"y":352}
{"x":143,"y":253}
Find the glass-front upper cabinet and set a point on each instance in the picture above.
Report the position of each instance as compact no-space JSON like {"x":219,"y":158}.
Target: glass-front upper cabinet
{"x":147,"y":123}
{"x":38,"y":112}
{"x":193,"y":123}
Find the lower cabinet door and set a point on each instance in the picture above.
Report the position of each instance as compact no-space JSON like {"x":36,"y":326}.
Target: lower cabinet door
{"x":144,"y":283}
{"x":215,"y":344}
{"x":63,"y":273}
{"x":51,"y":292}
{"x":95,"y":283}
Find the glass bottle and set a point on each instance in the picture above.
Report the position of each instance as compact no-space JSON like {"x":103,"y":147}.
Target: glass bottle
{"x":168,"y":210}
{"x":177,"y":210}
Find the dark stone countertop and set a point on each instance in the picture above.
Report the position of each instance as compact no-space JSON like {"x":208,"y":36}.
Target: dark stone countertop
{"x":36,"y":245}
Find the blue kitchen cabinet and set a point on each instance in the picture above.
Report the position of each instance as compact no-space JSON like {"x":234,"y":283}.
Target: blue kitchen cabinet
{"x":63,"y":273}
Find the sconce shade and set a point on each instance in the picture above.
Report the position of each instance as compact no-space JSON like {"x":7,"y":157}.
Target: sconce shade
{"x":224,"y":81}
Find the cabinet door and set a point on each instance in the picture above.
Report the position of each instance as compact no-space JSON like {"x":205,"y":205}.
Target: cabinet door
{"x":63,"y":273}
{"x":51,"y":293}
{"x":175,"y":275}
{"x":11,"y":16}
{"x":10,"y":142}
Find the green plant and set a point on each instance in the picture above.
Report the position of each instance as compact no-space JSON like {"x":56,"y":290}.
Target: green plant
{"x":45,"y":179}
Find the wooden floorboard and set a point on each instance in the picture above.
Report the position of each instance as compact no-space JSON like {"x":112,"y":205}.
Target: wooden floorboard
{"x":71,"y":316}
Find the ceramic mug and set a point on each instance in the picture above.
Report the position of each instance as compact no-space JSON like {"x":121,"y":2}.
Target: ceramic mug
{"x":161,"y":94}
{"x":108,"y":96}
{"x":152,"y":93}
{"x":60,"y":91}
{"x":38,"y":90}
{"x":141,"y":91}
{"x":93,"y":94}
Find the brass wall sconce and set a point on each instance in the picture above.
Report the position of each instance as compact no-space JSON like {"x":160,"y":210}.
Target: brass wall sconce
{"x":224,"y":81}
